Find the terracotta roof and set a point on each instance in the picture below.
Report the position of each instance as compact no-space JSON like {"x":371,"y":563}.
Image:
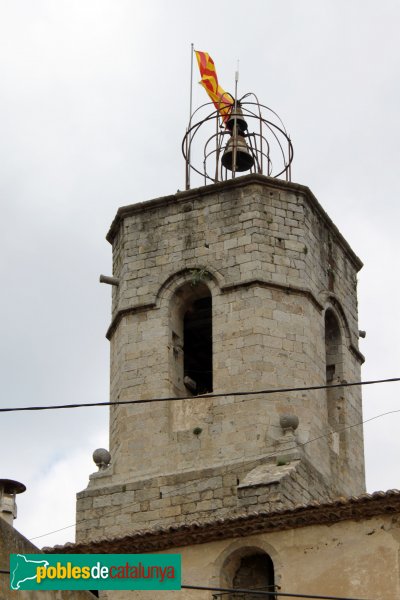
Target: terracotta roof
{"x":198,"y":532}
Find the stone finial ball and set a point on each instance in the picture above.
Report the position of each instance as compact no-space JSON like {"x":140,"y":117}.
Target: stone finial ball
{"x":289,"y":422}
{"x":102,"y":458}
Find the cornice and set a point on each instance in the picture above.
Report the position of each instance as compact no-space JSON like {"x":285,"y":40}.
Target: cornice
{"x":357,"y":354}
{"x":238,"y":182}
{"x":124,"y":312}
{"x":289,"y":289}
{"x":199,"y":532}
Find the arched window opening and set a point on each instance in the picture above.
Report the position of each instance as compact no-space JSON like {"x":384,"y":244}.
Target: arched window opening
{"x":336,"y":405}
{"x":333,"y":351}
{"x":197,"y":346}
{"x":191,"y":363}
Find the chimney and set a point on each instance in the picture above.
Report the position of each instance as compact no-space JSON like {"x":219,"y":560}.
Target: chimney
{"x":8,"y":507}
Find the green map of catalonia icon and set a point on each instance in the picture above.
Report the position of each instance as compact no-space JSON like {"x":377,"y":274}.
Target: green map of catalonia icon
{"x":25,"y":569}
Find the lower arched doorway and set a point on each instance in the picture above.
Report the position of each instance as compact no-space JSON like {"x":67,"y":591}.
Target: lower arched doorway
{"x":247,"y":569}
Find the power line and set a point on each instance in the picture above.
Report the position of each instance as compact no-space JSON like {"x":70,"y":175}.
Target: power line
{"x":280,"y":390}
{"x":264,"y":593}
{"x":58,"y":530}
{"x":234,"y":469}
{"x":249,"y":591}
{"x":219,"y":395}
{"x":298,"y":445}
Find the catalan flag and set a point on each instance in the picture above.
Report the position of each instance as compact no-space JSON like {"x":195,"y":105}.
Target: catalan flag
{"x":222,"y":100}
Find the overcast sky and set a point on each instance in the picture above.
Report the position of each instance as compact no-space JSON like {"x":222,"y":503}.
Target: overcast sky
{"x":93,"y":108}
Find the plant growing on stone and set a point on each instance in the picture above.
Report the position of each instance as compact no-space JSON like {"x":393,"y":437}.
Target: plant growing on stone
{"x":198,"y":276}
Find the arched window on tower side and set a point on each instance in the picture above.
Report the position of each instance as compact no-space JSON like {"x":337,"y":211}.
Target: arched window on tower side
{"x":336,"y":406}
{"x":333,"y":348}
{"x":191,"y":340}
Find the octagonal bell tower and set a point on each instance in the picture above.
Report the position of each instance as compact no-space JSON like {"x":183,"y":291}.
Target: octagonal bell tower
{"x":223,"y":294}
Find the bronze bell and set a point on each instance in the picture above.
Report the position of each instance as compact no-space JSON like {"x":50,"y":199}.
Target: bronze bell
{"x":244,"y":159}
{"x":236,"y":115}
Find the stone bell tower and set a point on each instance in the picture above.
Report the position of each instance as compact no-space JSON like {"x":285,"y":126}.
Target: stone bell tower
{"x":223,"y":294}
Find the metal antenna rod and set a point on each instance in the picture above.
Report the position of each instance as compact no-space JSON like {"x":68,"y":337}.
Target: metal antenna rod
{"x":236,"y":81}
{"x":234,"y":154}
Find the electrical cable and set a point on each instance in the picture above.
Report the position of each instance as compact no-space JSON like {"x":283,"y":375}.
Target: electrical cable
{"x":218,"y":395}
{"x":264,"y":593}
{"x":57,"y":530}
{"x":297,"y":445}
{"x":233,"y":470}
{"x":251,"y":591}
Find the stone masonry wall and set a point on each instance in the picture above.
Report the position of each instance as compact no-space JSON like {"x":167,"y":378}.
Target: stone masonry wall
{"x":201,"y":494}
{"x":273,"y":262}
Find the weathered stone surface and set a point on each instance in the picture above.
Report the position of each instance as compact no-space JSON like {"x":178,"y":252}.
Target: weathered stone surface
{"x":273,"y":263}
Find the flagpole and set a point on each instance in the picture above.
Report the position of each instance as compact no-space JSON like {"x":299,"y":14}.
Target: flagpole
{"x":191,"y":79}
{"x":188,"y":145}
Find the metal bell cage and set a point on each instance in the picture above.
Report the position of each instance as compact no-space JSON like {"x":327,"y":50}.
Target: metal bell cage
{"x":264,"y":147}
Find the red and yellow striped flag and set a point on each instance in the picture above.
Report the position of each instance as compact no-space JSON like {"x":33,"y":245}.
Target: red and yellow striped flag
{"x":222,"y":100}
